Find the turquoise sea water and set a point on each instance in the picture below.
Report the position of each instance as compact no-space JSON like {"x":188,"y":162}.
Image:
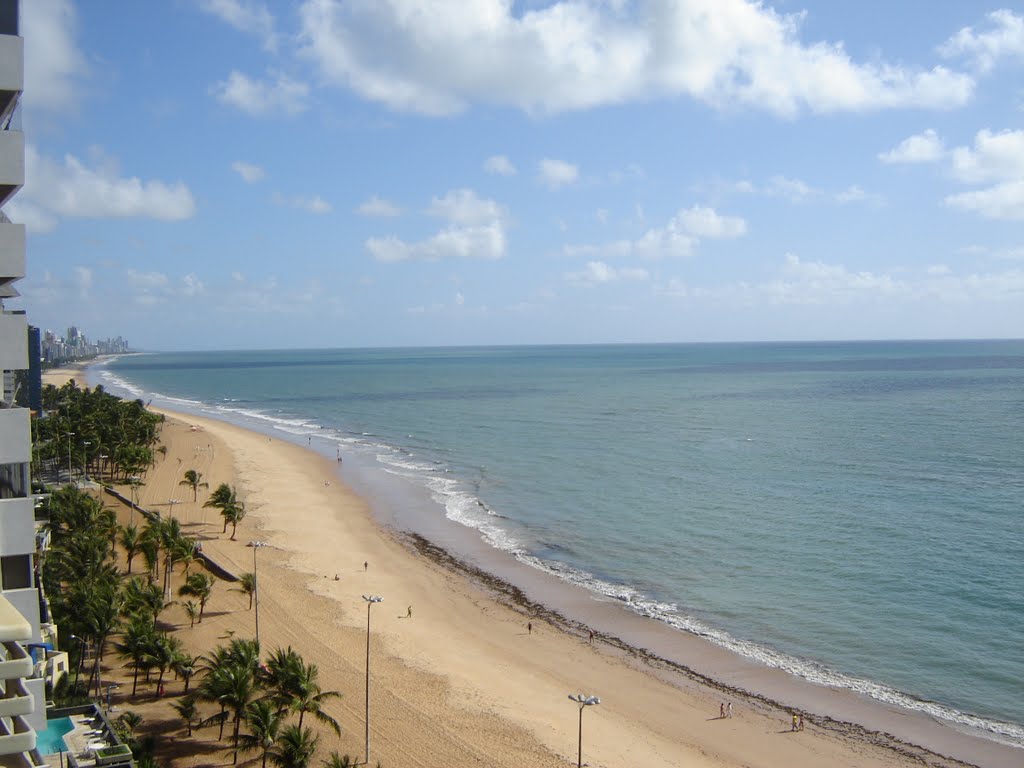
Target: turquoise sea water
{"x":850,"y":512}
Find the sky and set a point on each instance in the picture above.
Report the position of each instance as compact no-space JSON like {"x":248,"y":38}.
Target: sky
{"x":250,"y":174}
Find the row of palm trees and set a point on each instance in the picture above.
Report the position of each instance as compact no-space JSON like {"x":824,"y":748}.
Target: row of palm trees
{"x":92,"y":430}
{"x":259,"y":699}
{"x":266,"y":704}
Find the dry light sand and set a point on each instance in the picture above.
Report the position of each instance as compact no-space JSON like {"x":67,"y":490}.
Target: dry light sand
{"x":461,"y":682}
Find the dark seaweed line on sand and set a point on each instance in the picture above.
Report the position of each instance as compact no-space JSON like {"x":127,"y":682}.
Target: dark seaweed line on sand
{"x":514,"y":597}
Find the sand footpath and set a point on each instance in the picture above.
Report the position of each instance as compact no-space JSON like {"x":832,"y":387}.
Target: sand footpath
{"x":461,"y":681}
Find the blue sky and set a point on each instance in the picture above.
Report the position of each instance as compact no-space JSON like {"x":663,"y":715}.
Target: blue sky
{"x":212,"y":174}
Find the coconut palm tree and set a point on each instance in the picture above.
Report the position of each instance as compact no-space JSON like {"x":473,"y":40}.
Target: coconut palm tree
{"x":295,"y":748}
{"x":185,"y":666}
{"x":308,"y":697}
{"x":197,"y":585}
{"x":233,"y":513}
{"x":334,"y":760}
{"x":265,"y":724}
{"x":130,"y":542}
{"x":187,"y":708}
{"x":222,"y":496}
{"x":247,"y":586}
{"x":134,"y":647}
{"x":194,"y":480}
{"x":192,"y":611}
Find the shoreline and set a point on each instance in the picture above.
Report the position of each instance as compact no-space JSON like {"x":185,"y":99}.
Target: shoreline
{"x":639,"y":652}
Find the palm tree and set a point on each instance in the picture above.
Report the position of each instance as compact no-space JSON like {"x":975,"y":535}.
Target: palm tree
{"x":233,"y":513}
{"x":334,"y":760}
{"x":223,"y":496}
{"x":187,"y":708}
{"x":163,"y":650}
{"x":185,"y":666}
{"x":130,"y":542}
{"x":194,"y":480}
{"x":247,"y":586}
{"x":307,"y":696}
{"x":192,"y":611}
{"x":239,"y":690}
{"x":265,"y":725}
{"x":134,"y":646}
{"x":197,"y":585}
{"x":295,"y":748}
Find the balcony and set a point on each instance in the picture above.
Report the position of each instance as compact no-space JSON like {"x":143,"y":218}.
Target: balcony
{"x":17,"y":700}
{"x":17,"y":663}
{"x":15,"y":435}
{"x":12,"y":252}
{"x":12,"y":164}
{"x":12,"y":73}
{"x":13,"y":340}
{"x":20,"y":738}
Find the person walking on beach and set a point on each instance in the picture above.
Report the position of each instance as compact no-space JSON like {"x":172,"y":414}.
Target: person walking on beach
{"x":796,"y":723}
{"x":721,"y":711}
{"x":529,"y":627}
{"x":728,"y":709}
{"x":800,"y":723}
{"x":366,"y":565}
{"x":408,"y":614}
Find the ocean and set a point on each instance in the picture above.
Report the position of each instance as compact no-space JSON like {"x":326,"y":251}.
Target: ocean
{"x":849,"y":512}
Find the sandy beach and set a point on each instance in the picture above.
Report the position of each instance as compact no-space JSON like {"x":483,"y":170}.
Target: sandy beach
{"x":457,"y":678}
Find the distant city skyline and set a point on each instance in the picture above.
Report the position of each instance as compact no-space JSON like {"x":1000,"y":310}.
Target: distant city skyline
{"x":219,"y":174}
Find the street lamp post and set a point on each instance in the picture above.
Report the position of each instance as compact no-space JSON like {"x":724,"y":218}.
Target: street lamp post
{"x":70,"y":435}
{"x":584,"y":701}
{"x":134,"y":480}
{"x":85,"y":459}
{"x":256,"y":585}
{"x":370,"y":600}
{"x":81,"y":657}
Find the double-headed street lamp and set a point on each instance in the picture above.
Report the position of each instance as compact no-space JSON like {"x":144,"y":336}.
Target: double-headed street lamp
{"x":256,"y":585}
{"x":370,"y":600}
{"x":584,"y":701}
{"x":85,"y":459}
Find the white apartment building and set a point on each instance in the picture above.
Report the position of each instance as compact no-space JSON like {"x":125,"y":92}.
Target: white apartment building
{"x":22,"y":702}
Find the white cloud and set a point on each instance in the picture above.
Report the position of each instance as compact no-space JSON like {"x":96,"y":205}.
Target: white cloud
{"x":1004,"y":37}
{"x":53,"y":62}
{"x":377,"y":206}
{"x":147,"y":280}
{"x":314,"y":204}
{"x":571,"y":54}
{"x":246,"y":16}
{"x":995,"y":157}
{"x":705,"y":222}
{"x":597,"y":273}
{"x":72,"y":189}
{"x":501,"y":165}
{"x":249,"y":172}
{"x":277,"y":95}
{"x":462,"y":206}
{"x":557,"y":173}
{"x":679,"y":237}
{"x":1002,"y":201}
{"x":925,"y":147}
{"x":475,"y":230}
{"x":795,"y":190}
{"x":83,"y":280}
{"x":480,"y":242}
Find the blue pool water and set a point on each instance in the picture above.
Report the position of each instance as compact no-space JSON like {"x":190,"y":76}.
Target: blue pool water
{"x":51,"y":741}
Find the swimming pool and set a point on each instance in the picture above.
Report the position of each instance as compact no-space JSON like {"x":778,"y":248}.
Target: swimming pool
{"x":51,"y":741}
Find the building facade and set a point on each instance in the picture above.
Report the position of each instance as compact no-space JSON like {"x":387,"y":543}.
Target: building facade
{"x":23,"y":700}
